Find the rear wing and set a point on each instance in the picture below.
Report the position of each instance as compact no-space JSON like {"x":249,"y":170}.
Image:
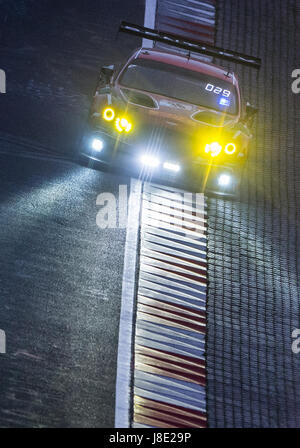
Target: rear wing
{"x":190,"y":45}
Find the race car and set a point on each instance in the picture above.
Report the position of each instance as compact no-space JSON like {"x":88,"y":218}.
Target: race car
{"x":170,"y":116}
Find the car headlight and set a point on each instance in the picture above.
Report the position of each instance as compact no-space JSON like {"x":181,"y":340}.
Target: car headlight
{"x":224,"y":180}
{"x":171,"y":167}
{"x":122,"y":124}
{"x":213,"y":148}
{"x":230,"y":148}
{"x":108,"y":114}
{"x":97,"y":144}
{"x":150,"y":161}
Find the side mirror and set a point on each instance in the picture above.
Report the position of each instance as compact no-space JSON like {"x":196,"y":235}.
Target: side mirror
{"x":106,"y":73}
{"x":250,"y":111}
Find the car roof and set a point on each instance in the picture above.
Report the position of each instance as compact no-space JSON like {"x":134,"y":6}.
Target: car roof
{"x":191,"y":63}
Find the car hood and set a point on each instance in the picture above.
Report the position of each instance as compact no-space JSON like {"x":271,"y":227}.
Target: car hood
{"x":154,"y":110}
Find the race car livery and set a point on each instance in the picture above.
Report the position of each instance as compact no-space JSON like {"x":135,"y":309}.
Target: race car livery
{"x":171,"y":116}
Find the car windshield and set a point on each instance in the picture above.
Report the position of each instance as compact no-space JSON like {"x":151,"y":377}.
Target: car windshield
{"x":179,"y":83}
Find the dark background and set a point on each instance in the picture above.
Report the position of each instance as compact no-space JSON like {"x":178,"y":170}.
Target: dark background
{"x":52,"y":52}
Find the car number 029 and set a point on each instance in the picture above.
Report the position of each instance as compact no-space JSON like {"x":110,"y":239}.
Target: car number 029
{"x":217,"y":90}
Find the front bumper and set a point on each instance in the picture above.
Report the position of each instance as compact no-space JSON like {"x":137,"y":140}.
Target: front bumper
{"x":196,"y":174}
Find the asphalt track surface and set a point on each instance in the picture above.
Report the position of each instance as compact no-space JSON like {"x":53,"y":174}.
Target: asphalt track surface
{"x":253,"y":301}
{"x":60,"y":283}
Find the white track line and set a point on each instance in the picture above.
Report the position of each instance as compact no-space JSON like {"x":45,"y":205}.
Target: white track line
{"x":149,"y":20}
{"x":126,"y":330}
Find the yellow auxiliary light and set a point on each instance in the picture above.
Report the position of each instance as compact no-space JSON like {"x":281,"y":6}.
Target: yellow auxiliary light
{"x":230,"y":148}
{"x":108,"y":114}
{"x":213,"y":148}
{"x":122,"y":124}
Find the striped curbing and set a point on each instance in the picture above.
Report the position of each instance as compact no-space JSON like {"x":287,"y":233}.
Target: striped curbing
{"x":169,"y":351}
{"x":189,"y":18}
